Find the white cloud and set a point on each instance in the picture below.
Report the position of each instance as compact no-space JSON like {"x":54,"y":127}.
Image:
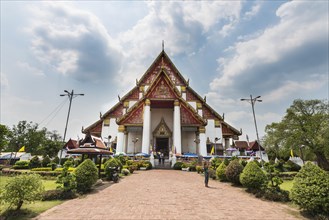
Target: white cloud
{"x":4,"y":80}
{"x":73,"y":42}
{"x":292,"y":87}
{"x":182,"y":25}
{"x":28,"y":68}
{"x":254,"y":11}
{"x":300,"y":26}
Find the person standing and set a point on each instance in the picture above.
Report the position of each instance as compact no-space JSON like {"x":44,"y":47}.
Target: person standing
{"x":206,"y":172}
{"x":162,"y":157}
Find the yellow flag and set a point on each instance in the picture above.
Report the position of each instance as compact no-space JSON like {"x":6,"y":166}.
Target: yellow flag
{"x":212,"y":150}
{"x":22,"y":149}
{"x":111,"y":149}
{"x":291,"y":153}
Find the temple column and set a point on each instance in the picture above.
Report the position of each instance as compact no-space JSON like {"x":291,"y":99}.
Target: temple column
{"x":177,"y":128}
{"x":120,"y":140}
{"x":203,"y":141}
{"x":146,"y":127}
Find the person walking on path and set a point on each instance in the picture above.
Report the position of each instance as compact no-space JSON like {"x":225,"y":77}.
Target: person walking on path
{"x":206,"y":173}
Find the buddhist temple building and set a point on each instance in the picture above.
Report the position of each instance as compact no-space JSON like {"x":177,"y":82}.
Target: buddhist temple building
{"x":163,"y":113}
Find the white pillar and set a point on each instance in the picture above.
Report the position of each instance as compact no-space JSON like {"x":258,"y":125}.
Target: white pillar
{"x":177,"y":128}
{"x":146,"y":127}
{"x":203,"y":141}
{"x":120,"y":139}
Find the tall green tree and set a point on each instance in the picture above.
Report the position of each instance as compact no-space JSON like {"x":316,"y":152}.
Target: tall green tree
{"x":306,"y":125}
{"x":5,"y":134}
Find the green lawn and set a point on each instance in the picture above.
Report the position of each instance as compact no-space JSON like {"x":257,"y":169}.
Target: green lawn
{"x":287,"y":185}
{"x":28,"y":211}
{"x":49,"y":184}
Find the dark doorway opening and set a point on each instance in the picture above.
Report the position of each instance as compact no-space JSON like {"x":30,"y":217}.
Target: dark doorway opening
{"x":162,"y":145}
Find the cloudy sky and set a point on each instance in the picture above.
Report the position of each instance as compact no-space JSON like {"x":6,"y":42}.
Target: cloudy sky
{"x":228,"y":50}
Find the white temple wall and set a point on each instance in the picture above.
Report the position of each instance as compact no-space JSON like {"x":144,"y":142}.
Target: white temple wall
{"x":188,"y":144}
{"x":179,"y":88}
{"x":110,"y":130}
{"x":157,"y":114}
{"x":212,"y":132}
{"x":138,"y":145}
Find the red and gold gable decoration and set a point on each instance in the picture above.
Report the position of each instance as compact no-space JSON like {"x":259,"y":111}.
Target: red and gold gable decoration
{"x":162,"y":90}
{"x":207,"y":114}
{"x":133,"y":95}
{"x":188,"y":117}
{"x":190,"y":96}
{"x":226,"y":130}
{"x":135,"y":116}
{"x":164,"y":63}
{"x":117,"y":112}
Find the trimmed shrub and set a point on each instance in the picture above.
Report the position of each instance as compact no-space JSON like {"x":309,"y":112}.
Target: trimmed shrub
{"x":112,"y":162}
{"x":34,"y":162}
{"x":212,"y":174}
{"x":191,"y":167}
{"x":199,"y":169}
{"x":42,"y":169}
{"x":178,"y":165}
{"x":86,"y":175}
{"x":21,"y":164}
{"x":148,"y":165}
{"x":220,"y":172}
{"x":132,"y":168}
{"x":125,"y":172}
{"x":22,"y":188}
{"x":67,"y":180}
{"x":276,"y":194}
{"x":45,"y":161}
{"x":291,"y":166}
{"x":226,"y":162}
{"x":233,"y":171}
{"x":243,"y":162}
{"x":252,"y":176}
{"x":311,"y":189}
{"x":58,"y":194}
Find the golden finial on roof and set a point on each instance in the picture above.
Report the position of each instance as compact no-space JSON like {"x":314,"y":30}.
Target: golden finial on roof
{"x":162,"y":45}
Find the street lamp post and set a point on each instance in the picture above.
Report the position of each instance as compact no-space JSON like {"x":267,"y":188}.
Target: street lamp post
{"x":134,"y":141}
{"x":252,"y":101}
{"x":71,"y":95}
{"x":216,"y":139}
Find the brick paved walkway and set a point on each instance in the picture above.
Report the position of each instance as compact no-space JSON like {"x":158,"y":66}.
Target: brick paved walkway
{"x":169,"y":194}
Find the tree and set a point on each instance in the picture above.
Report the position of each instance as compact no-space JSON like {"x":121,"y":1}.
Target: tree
{"x":306,"y":124}
{"x":4,"y":136}
{"x":22,"y":188}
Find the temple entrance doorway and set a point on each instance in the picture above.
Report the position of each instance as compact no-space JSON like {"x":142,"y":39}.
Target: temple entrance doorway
{"x":162,"y":145}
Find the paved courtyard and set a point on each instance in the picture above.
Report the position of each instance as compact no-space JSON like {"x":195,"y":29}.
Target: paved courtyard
{"x":169,"y":194}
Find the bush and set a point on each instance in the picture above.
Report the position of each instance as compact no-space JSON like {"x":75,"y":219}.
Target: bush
{"x":21,"y":164}
{"x":45,"y":161}
{"x":212,"y":174}
{"x":252,"y":176}
{"x":311,"y":189}
{"x":220,"y":172}
{"x":125,"y":172}
{"x":34,"y":162}
{"x":191,"y":167}
{"x":178,"y":165}
{"x":243,"y":163}
{"x":42,"y":169}
{"x":291,"y":166}
{"x":67,"y":180}
{"x":112,"y":162}
{"x":22,"y":188}
{"x":233,"y":171}
{"x":276,"y":194}
{"x":148,"y":165}
{"x":199,"y":169}
{"x":58,"y":194}
{"x":86,"y":175}
{"x":132,"y":168}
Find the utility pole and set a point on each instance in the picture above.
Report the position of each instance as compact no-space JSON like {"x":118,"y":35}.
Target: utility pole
{"x":71,"y":95}
{"x":252,"y":102}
